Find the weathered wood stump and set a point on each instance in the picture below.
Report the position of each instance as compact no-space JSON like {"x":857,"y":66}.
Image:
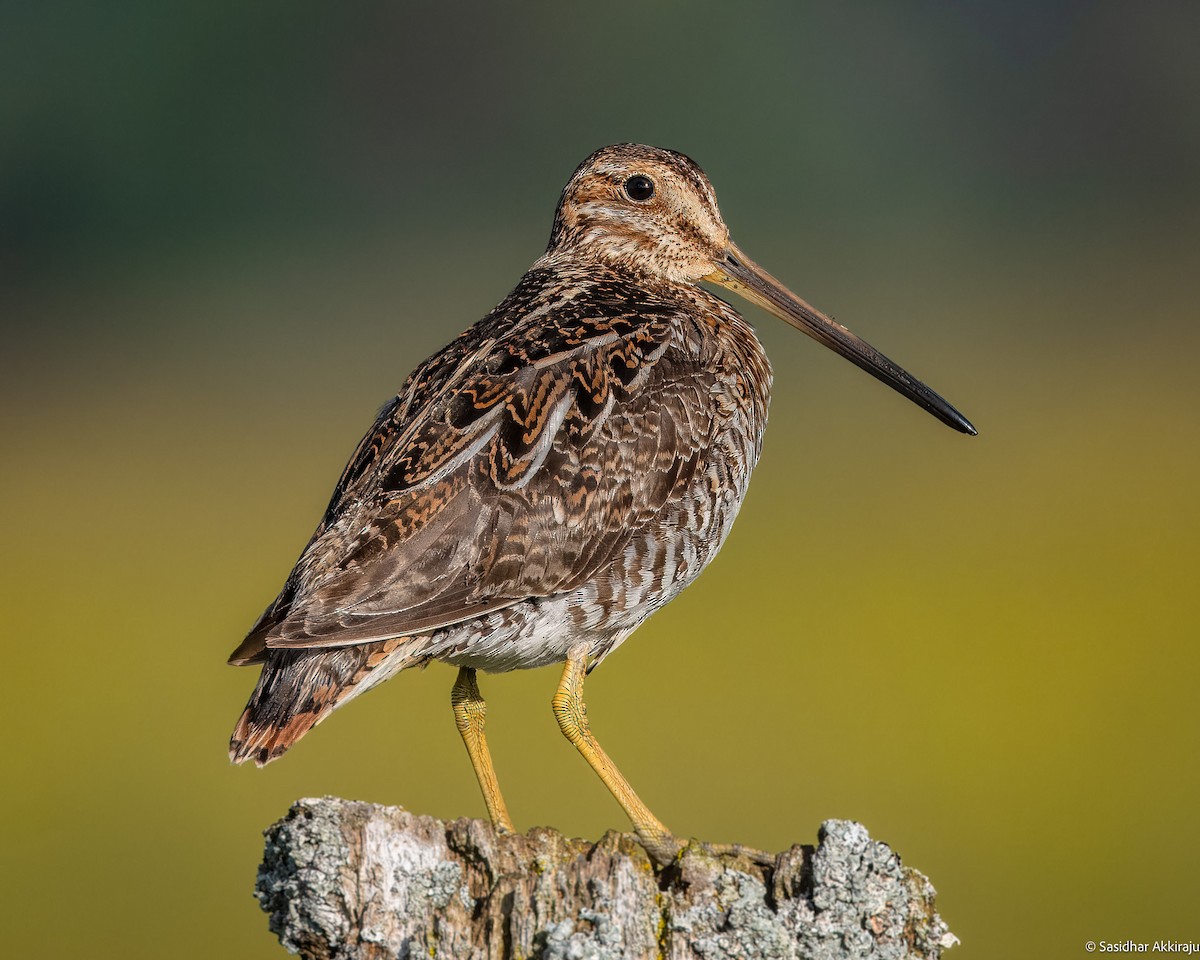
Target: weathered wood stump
{"x":358,"y":881}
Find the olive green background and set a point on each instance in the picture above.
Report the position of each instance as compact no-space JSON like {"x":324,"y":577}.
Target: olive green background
{"x":227,"y":233}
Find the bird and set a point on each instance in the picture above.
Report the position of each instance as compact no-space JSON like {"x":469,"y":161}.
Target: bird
{"x":550,"y":478}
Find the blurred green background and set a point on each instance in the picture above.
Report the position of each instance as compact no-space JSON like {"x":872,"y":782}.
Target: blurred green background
{"x":227,"y":233}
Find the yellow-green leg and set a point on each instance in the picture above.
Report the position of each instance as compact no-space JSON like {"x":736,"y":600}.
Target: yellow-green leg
{"x":571,"y":713}
{"x":469,"y":714}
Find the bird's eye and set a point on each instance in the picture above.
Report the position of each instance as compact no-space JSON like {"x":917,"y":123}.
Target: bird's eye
{"x":639,"y":188}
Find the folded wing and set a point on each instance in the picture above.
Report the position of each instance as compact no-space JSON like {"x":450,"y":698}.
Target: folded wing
{"x":517,"y":463}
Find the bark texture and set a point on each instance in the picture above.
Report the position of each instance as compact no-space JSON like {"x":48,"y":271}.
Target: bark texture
{"x":358,"y":881}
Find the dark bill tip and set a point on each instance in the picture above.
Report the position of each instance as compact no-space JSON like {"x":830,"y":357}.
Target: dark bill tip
{"x":739,"y":273}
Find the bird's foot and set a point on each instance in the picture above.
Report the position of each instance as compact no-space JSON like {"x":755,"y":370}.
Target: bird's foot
{"x":665,"y":848}
{"x":753,"y":854}
{"x":662,"y":846}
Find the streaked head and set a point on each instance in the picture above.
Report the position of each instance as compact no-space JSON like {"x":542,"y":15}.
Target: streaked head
{"x":653,"y":212}
{"x":643,"y":208}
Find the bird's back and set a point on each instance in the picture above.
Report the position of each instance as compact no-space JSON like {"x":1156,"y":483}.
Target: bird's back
{"x":591,"y":432}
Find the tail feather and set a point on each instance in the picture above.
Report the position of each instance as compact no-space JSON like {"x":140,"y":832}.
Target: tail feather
{"x":297,"y":689}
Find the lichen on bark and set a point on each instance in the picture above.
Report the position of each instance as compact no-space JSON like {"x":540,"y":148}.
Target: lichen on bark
{"x":343,"y":880}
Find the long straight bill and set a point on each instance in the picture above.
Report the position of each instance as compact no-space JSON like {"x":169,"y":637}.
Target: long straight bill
{"x":739,"y":273}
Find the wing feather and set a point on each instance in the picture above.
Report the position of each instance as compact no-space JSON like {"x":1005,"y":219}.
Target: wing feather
{"x":517,"y":463}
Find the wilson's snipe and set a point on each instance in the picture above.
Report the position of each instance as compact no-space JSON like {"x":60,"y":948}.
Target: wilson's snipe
{"x":547,"y":481}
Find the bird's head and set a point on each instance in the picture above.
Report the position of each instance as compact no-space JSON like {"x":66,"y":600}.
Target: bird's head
{"x":643,"y":208}
{"x":653,"y":212}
